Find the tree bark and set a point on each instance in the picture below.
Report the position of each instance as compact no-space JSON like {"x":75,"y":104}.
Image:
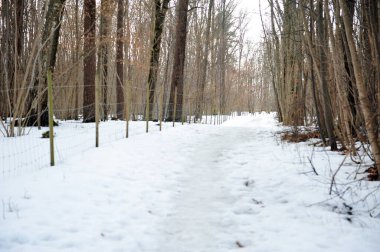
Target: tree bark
{"x":328,"y":114}
{"x":202,"y":84}
{"x":103,"y":58}
{"x":350,"y":79}
{"x":120,"y":114}
{"x":89,"y":61}
{"x":222,"y":60}
{"x":50,"y":38}
{"x":313,"y":69}
{"x":160,"y":13}
{"x":276,"y":74}
{"x":179,"y":61}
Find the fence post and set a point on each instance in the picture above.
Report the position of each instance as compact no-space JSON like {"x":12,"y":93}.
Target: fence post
{"x":190,"y":112}
{"x":206,"y":114}
{"x":175,"y":106}
{"x":126,"y":108}
{"x":214,"y":116}
{"x":147,"y":107}
{"x":97,"y":109}
{"x":161,"y":105}
{"x":128,"y":103}
{"x":183,"y":110}
{"x":51,"y":113}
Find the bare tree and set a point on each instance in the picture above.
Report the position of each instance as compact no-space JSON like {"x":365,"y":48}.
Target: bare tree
{"x":202,"y":84}
{"x":161,"y":8}
{"x":322,"y":36}
{"x":120,"y":61}
{"x":179,"y":61}
{"x":50,"y":38}
{"x":89,"y":61}
{"x":106,"y":9}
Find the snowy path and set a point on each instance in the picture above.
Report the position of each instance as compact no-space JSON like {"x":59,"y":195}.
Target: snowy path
{"x":194,"y":188}
{"x":203,"y":208}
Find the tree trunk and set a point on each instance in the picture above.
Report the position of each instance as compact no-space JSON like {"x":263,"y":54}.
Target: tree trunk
{"x":275,"y":73}
{"x":120,"y":114}
{"x":89,"y":61}
{"x":222,"y":60}
{"x":328,"y":115}
{"x":350,"y":79}
{"x":77,"y":57}
{"x":50,"y":38}
{"x":105,"y":26}
{"x":160,"y":13}
{"x":321,"y":125}
{"x":179,"y":61}
{"x":202,"y":85}
{"x":20,"y":27}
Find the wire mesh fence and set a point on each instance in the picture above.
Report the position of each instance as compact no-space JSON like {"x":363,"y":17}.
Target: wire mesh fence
{"x":29,"y":149}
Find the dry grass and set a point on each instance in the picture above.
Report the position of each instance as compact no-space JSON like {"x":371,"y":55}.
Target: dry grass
{"x":296,"y":136}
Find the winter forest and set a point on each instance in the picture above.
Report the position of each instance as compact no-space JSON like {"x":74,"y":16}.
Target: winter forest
{"x":190,"y":125}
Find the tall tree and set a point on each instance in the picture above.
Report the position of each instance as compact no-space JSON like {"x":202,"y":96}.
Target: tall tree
{"x":77,"y":59}
{"x":222,"y":58}
{"x":120,"y":60}
{"x":276,"y":75}
{"x":202,"y":84}
{"x":323,"y":45}
{"x":89,"y":61}
{"x":179,"y":61}
{"x":12,"y":45}
{"x":309,"y":37}
{"x":50,"y":39}
{"x":106,"y":7}
{"x":161,"y":8}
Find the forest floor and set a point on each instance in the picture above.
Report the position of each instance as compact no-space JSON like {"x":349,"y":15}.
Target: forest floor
{"x":193,"y":188}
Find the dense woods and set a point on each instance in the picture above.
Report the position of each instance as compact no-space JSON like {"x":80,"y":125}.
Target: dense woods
{"x":139,"y":57}
{"x":324,"y":62}
{"x":318,"y":63}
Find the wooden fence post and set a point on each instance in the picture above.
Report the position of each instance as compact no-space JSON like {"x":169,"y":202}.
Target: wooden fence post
{"x":161,"y":105}
{"x":175,"y":106}
{"x":97,"y":109}
{"x":51,"y":114}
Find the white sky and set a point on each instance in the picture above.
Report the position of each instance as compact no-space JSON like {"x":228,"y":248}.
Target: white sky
{"x":255,"y":31}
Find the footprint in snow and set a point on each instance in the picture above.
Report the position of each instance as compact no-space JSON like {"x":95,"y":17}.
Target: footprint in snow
{"x":238,"y":243}
{"x":249,"y":183}
{"x":245,"y":211}
{"x":242,"y":243}
{"x":257,"y":202}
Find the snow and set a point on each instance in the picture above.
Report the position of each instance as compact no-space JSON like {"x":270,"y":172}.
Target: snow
{"x":233,"y":187}
{"x":29,"y":153}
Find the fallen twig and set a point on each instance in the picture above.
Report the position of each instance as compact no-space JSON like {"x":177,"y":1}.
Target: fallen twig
{"x":335,"y":173}
{"x":312,"y":166}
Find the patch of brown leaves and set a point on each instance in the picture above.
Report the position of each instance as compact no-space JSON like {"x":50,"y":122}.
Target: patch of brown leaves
{"x":297,"y":137}
{"x":373,"y":174}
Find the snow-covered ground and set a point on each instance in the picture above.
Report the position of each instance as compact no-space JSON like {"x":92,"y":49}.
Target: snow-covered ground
{"x":192,"y":188}
{"x":30,"y":152}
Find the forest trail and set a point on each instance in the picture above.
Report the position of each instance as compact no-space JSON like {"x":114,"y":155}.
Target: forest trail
{"x":194,"y":188}
{"x":206,"y":211}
